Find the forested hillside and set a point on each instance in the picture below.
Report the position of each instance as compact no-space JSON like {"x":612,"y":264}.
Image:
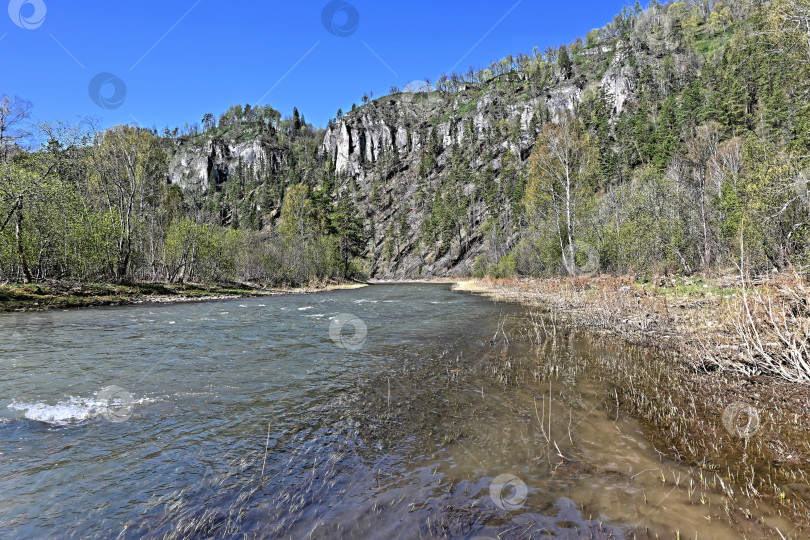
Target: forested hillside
{"x":675,"y":139}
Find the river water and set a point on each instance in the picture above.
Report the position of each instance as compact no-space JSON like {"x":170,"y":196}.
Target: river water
{"x":392,"y":411}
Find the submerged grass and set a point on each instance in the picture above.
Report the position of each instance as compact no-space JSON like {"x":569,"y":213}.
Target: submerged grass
{"x":716,"y":372}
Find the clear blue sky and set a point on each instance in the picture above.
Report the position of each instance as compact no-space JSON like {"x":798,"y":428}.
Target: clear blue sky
{"x":179,"y":59}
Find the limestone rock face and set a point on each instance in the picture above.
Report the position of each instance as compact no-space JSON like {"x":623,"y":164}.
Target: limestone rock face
{"x":563,"y":99}
{"x":381,"y":146}
{"x":361,"y":139}
{"x":199,"y":167}
{"x":618,"y":83}
{"x":407,"y":121}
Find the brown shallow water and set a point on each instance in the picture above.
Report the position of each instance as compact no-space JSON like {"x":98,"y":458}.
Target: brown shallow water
{"x":265,"y":418}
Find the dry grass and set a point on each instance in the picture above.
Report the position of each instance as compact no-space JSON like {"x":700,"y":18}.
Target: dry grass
{"x":759,"y":329}
{"x":772,"y":327}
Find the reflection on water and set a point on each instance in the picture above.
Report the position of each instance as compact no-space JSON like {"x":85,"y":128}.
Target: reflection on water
{"x":383,"y":412}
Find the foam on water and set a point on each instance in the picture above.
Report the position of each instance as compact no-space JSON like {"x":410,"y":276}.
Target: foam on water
{"x":64,"y":412}
{"x":71,"y":410}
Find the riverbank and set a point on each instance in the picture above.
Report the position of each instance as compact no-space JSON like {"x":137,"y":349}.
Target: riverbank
{"x":65,"y":295}
{"x":727,"y":394}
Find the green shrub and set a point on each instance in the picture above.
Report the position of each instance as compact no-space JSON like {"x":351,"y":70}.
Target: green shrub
{"x":480,"y":266}
{"x":507,"y":266}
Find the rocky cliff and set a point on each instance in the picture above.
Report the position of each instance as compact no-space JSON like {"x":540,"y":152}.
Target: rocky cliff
{"x":435,"y":175}
{"x":382,"y":147}
{"x":480,"y":126}
{"x":203,"y":163}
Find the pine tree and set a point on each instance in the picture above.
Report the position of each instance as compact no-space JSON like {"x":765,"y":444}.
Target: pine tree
{"x":347,"y":226}
{"x":296,"y":119}
{"x":666,"y":137}
{"x":564,"y":62}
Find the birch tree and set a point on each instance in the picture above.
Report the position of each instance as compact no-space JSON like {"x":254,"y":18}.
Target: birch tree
{"x":562,"y":167}
{"x":14,"y":115}
{"x":129,"y":169}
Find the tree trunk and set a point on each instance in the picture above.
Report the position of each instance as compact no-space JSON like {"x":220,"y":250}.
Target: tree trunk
{"x":123,"y":266}
{"x":18,"y":238}
{"x":707,"y":255}
{"x":569,"y":225}
{"x":568,"y":222}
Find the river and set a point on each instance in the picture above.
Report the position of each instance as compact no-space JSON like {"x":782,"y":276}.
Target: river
{"x":391,"y":411}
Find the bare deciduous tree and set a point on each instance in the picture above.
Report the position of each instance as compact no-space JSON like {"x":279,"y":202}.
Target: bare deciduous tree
{"x":129,"y":166}
{"x":562,"y":166}
{"x":701,"y":150}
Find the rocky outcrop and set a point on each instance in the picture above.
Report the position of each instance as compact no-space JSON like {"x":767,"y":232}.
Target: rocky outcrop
{"x":382,"y":145}
{"x":563,"y":99}
{"x":364,"y":135}
{"x":407,"y":121}
{"x":618,"y":82}
{"x":202,"y":166}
